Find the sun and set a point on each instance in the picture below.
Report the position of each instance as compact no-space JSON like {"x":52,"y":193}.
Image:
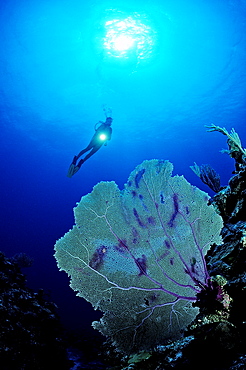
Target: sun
{"x":123,"y":42}
{"x":127,"y":37}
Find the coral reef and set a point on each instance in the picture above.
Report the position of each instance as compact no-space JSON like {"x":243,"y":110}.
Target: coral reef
{"x":217,"y":337}
{"x":138,"y":255}
{"x":30,"y":333}
{"x":229,"y":259}
{"x":235,"y":147}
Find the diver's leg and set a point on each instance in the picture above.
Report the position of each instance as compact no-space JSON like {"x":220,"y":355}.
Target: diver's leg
{"x":73,"y":167}
{"x":93,"y":151}
{"x":74,"y":160}
{"x":89,"y":146}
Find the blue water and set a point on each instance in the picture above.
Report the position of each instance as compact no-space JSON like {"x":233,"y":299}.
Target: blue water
{"x":56,"y":77}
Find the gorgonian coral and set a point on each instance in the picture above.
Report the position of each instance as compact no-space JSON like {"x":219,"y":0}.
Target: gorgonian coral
{"x":138,"y":254}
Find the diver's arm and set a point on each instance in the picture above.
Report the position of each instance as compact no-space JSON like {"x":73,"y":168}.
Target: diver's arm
{"x":110,"y":133}
{"x":109,"y":137}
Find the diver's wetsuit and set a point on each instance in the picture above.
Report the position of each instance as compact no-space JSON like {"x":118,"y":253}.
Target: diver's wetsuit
{"x":95,"y":144}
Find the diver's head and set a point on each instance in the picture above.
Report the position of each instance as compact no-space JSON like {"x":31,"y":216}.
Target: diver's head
{"x":109,"y":121}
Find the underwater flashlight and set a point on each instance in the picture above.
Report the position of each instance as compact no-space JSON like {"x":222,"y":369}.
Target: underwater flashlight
{"x":103,"y":137}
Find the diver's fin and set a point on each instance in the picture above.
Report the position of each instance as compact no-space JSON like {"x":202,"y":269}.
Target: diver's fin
{"x":71,"y":170}
{"x":76,"y":168}
{"x":73,"y":167}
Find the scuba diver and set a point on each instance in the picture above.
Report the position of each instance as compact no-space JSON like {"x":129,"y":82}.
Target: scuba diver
{"x":101,"y":136}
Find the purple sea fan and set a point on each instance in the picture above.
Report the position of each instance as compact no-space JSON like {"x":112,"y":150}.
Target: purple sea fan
{"x":151,"y":272}
{"x":208,"y":176}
